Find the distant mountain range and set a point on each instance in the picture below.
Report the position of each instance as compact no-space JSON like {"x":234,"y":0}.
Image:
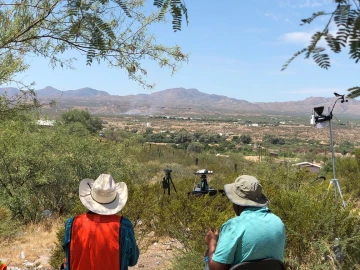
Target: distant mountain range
{"x":49,"y":91}
{"x":179,"y":101}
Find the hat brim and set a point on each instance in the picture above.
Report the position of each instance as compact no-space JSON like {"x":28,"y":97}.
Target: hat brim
{"x":234,"y":198}
{"x":98,"y":208}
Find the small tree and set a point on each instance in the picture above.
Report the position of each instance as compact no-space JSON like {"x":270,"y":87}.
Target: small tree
{"x":246,"y":139}
{"x":92,"y":124}
{"x":115,"y":32}
{"x":195,"y":147}
{"x":111,"y":31}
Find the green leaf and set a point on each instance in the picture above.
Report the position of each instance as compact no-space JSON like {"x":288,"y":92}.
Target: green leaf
{"x":314,"y":16}
{"x":314,"y":41}
{"x":292,"y":58}
{"x":159,"y":3}
{"x":333,"y":43}
{"x":354,"y":92}
{"x":124,"y":7}
{"x":322,"y":59}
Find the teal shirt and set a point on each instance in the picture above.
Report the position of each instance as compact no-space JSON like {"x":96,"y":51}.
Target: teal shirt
{"x":255,"y":234}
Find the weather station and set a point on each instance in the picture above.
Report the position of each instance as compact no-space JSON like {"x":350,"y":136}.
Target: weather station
{"x":203,"y":187}
{"x":319,"y":120}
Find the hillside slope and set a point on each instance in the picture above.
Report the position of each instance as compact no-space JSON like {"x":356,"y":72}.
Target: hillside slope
{"x":180,"y":101}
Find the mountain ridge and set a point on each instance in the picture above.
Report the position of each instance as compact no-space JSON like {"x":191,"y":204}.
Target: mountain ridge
{"x":179,"y":101}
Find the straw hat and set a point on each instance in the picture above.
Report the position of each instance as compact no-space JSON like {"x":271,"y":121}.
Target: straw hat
{"x":246,"y":191}
{"x":103,"y":196}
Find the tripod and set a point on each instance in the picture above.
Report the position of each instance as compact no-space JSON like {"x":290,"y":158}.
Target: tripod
{"x":167,"y":180}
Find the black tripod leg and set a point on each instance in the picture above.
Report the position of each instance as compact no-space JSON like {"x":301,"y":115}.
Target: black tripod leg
{"x":168,"y":181}
{"x":172,"y":184}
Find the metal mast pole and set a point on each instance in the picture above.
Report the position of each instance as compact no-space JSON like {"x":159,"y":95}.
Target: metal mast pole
{"x":334,"y":181}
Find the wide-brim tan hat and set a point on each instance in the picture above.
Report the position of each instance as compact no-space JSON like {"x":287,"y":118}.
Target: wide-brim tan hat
{"x":246,"y":191}
{"x":103,"y":196}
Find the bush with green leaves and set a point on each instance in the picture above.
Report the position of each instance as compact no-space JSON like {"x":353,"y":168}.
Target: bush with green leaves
{"x":41,"y":169}
{"x":192,"y":260}
{"x":273,"y":139}
{"x":74,"y":118}
{"x":195,"y":147}
{"x":245,"y":139}
{"x":8,"y":227}
{"x":116,"y":134}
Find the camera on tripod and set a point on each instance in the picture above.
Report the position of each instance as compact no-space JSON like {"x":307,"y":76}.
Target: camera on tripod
{"x":167,"y":181}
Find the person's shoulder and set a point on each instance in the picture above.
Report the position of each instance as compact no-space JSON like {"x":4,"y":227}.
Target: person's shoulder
{"x":69,"y":220}
{"x":232,"y":221}
{"x":277,"y":219}
{"x":233,"y":226}
{"x":126,"y":222}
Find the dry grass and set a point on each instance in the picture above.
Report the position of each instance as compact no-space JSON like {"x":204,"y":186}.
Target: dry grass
{"x":35,"y":240}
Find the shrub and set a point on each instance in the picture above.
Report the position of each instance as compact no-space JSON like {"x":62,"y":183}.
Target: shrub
{"x":273,"y":140}
{"x":44,"y":167}
{"x":8,"y":227}
{"x":92,"y":124}
{"x":195,"y":147}
{"x":245,"y":139}
{"x":190,"y":261}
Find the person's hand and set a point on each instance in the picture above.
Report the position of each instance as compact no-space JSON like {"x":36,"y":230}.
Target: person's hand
{"x":211,"y":236}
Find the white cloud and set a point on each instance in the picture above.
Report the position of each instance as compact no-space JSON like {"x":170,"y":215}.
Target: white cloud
{"x":303,"y":3}
{"x":310,"y":3}
{"x":302,"y":38}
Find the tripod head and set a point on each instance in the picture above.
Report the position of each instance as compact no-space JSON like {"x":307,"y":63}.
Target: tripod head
{"x":167,"y":171}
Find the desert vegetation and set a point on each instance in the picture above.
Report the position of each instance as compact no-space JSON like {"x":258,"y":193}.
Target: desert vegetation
{"x":41,"y":168}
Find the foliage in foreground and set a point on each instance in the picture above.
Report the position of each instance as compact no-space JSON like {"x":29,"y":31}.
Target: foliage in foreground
{"x":41,"y":169}
{"x":346,"y":18}
{"x":191,"y":261}
{"x":115,"y":32}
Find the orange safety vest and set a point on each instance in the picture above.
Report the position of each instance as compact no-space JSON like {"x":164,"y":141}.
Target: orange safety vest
{"x":95,"y":242}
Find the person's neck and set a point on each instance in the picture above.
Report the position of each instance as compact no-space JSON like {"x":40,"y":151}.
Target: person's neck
{"x":239,"y":209}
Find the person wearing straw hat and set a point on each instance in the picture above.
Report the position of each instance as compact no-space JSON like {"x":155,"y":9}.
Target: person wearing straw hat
{"x":255,"y":233}
{"x":100,"y":239}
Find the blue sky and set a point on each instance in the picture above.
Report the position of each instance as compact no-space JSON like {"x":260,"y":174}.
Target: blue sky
{"x":237,"y":49}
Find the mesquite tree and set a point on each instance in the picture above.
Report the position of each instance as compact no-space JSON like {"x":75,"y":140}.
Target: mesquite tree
{"x":346,"y":17}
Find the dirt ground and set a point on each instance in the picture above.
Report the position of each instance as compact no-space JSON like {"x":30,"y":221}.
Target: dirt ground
{"x":158,"y":255}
